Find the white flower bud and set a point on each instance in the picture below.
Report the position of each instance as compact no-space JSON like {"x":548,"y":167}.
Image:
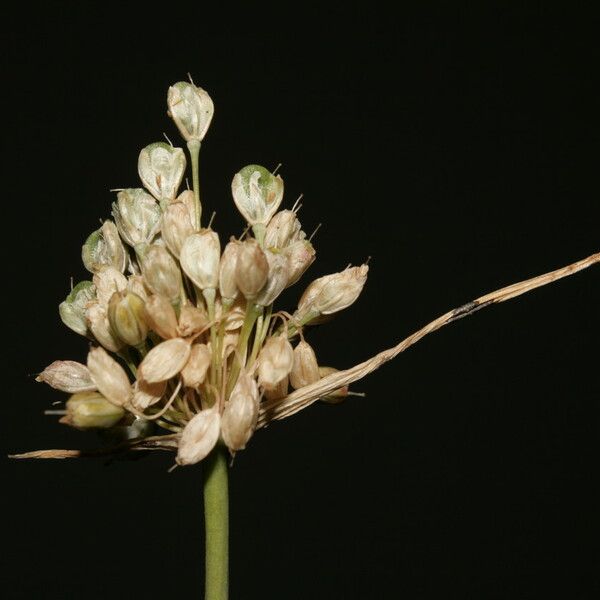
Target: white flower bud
{"x":91,"y":410}
{"x":161,"y":317}
{"x":257,"y":193}
{"x":137,"y":216}
{"x":191,"y":108}
{"x":275,"y":361}
{"x":146,"y":394}
{"x":126,"y":315}
{"x":283,"y":229}
{"x":194,"y":372}
{"x":161,"y":168}
{"x":176,"y":226}
{"x":200,"y":257}
{"x":108,"y":280}
{"x":98,"y":323}
{"x":227,"y":285}
{"x":199,"y":436}
{"x":251,"y":269}
{"x":109,"y":376}
{"x":161,"y":273}
{"x":241,"y":412}
{"x":300,"y":255}
{"x":192,"y":320}
{"x":164,"y":360}
{"x":104,"y":248}
{"x":306,"y":369}
{"x":67,"y":376}
{"x":72,"y":310}
{"x":276,"y":280}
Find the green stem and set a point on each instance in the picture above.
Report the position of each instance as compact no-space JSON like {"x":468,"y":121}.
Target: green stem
{"x":216,"y":522}
{"x":194,"y":148}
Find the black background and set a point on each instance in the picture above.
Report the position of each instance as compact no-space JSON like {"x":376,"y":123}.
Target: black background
{"x":458,"y":147}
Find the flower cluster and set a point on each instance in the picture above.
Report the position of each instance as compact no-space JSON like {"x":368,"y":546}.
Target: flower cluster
{"x":182,"y":326}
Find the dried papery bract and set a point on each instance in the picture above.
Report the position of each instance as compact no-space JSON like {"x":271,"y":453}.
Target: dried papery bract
{"x":126,"y":315}
{"x":72,"y":310}
{"x":200,"y":256}
{"x":137,"y":216}
{"x":164,"y":360}
{"x":240,"y":414}
{"x":109,"y":376}
{"x":199,"y":436}
{"x":191,"y":108}
{"x":104,"y":248}
{"x":67,"y":376}
{"x":251,"y":269}
{"x":91,"y":410}
{"x":306,"y":369}
{"x":275,"y":361}
{"x":161,"y":317}
{"x":161,"y":273}
{"x":161,"y":168}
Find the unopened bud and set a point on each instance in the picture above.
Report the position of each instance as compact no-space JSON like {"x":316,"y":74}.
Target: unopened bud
{"x":176,"y":226}
{"x":227,"y":285}
{"x":199,"y":436}
{"x":126,"y":317}
{"x":257,"y":193}
{"x":240,"y":414}
{"x":161,"y":168}
{"x":283,"y":229}
{"x":306,"y":369}
{"x":275,"y":361}
{"x":161,"y":317}
{"x":72,"y":310}
{"x":194,"y":372}
{"x":251,"y":269}
{"x":336,"y":396}
{"x":191,"y":108}
{"x":277,"y":278}
{"x":137,"y":216}
{"x":300,"y":255}
{"x":164,"y":360}
{"x":200,"y":257}
{"x":104,"y":248}
{"x":98,"y":323}
{"x":67,"y":376}
{"x":109,"y":376}
{"x":91,"y":410}
{"x":161,"y":273}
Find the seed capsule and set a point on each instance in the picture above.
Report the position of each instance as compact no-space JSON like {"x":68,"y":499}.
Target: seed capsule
{"x":91,"y":410}
{"x":191,"y":108}
{"x":72,"y":310}
{"x":199,"y":437}
{"x":126,"y":314}
{"x":161,"y":168}
{"x":251,"y":269}
{"x":137,"y":216}
{"x":67,"y":376}
{"x":275,"y":361}
{"x":161,"y":273}
{"x":306,"y":369}
{"x":104,"y":248}
{"x":200,"y":257}
{"x":241,"y":412}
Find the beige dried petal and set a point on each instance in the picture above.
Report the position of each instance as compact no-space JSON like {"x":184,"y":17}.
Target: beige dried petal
{"x":161,"y":272}
{"x":251,"y":268}
{"x":161,"y":317}
{"x":275,"y":361}
{"x":199,"y":437}
{"x":67,"y":376}
{"x":200,"y":256}
{"x":146,"y":394}
{"x":235,"y":318}
{"x":227,"y":285}
{"x":109,"y":376}
{"x":279,"y":391}
{"x":164,"y":361}
{"x":176,"y":226}
{"x":240,"y":414}
{"x":135,"y":284}
{"x":99,"y":325}
{"x":108,"y":280}
{"x":306,"y":369}
{"x":197,"y":365}
{"x":277,"y":278}
{"x":192,"y":320}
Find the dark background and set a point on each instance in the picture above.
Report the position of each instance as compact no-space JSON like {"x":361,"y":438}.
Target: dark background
{"x":458,"y":148}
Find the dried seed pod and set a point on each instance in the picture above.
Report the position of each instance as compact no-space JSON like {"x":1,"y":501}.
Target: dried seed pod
{"x":164,"y":360}
{"x":146,"y":394}
{"x":194,"y":372}
{"x":104,"y":248}
{"x":199,"y":437}
{"x":72,"y":310}
{"x":257,"y":193}
{"x":109,"y":376}
{"x":161,"y":317}
{"x":137,"y":216}
{"x":98,"y":323}
{"x":176,"y":226}
{"x":306,"y":369}
{"x":276,"y":280}
{"x":300,"y":255}
{"x":283,"y":229}
{"x":200,"y":257}
{"x":240,"y":414}
{"x":336,"y":396}
{"x":161,"y":168}
{"x":91,"y":410}
{"x":191,"y":108}
{"x":275,"y":361}
{"x":192,"y":320}
{"x":251,"y":269}
{"x":227,"y":285}
{"x":67,"y":376}
{"x":161,"y":273}
{"x":126,"y":315}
